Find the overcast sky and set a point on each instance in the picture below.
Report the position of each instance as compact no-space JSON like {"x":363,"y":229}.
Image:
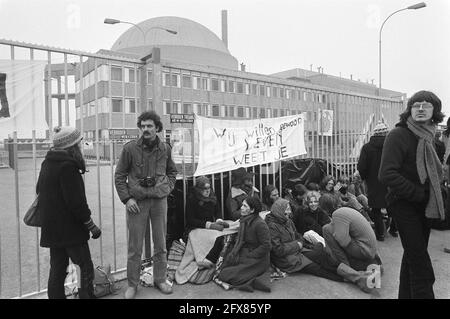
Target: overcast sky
{"x":268,"y":35}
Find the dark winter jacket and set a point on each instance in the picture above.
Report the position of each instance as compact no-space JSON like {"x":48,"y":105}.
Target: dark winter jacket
{"x":398,"y":168}
{"x":286,"y":253}
{"x":234,"y":201}
{"x":306,"y":219}
{"x":137,"y":161}
{"x":254,"y":256}
{"x":62,"y":201}
{"x":368,"y":167}
{"x":199,"y":211}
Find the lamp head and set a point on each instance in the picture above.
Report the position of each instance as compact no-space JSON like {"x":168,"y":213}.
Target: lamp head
{"x":111,"y":21}
{"x":418,"y":6}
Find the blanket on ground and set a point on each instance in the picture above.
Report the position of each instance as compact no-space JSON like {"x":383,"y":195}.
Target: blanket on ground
{"x":200,"y":242}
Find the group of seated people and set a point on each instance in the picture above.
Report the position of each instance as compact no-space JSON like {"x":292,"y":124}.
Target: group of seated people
{"x":324,"y":232}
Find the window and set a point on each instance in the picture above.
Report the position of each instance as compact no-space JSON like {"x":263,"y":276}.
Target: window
{"x":262,"y":113}
{"x":247,"y":88}
{"x":282,"y":92}
{"x":187,"y":108}
{"x":288,"y":94}
{"x":240,"y":87}
{"x":255,"y":112}
{"x":247,"y":112}
{"x":206,"y":109}
{"x":223,"y":86}
{"x":166,"y":79}
{"x":205,"y":84}
{"x":214,"y":85}
{"x":116,"y":73}
{"x":223,"y":111}
{"x":254,"y":89}
{"x":197,"y":83}
{"x":282,"y":113}
{"x":262,"y":90}
{"x":268,"y":90}
{"x":175,"y":80}
{"x":131,"y":76}
{"x":167,"y":107}
{"x":240,"y":111}
{"x":275,"y":112}
{"x":150,"y":104}
{"x":176,"y":107}
{"x":215,"y":110}
{"x":275,"y":92}
{"x":231,"y":111}
{"x":197,"y":108}
{"x":130,"y":106}
{"x":269,"y":112}
{"x":231,"y":86}
{"x":117,"y":105}
{"x":149,"y":77}
{"x":187,"y":81}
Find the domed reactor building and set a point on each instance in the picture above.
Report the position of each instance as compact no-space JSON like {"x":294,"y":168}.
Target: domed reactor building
{"x":179,"y":67}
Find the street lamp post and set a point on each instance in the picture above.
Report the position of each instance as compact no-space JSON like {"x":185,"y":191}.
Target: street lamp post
{"x":144,"y":34}
{"x":413,"y":7}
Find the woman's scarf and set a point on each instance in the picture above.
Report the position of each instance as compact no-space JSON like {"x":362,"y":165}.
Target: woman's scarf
{"x":428,"y":166}
{"x":244,"y":221}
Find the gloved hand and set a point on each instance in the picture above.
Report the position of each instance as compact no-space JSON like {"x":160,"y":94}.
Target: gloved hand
{"x":95,"y":231}
{"x":216,"y":226}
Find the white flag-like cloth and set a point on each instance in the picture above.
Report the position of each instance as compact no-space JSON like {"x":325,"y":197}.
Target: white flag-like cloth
{"x":225,"y":145}
{"x":22,"y":98}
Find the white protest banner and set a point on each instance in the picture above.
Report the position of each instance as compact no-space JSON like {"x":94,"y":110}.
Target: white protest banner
{"x":225,"y":145}
{"x":22,"y":98}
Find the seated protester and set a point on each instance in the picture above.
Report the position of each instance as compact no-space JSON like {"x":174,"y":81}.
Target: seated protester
{"x":269,"y":196}
{"x":297,"y":197}
{"x":241,"y":188}
{"x":350,"y":239}
{"x":313,"y":187}
{"x":347,"y":199}
{"x":289,"y":255}
{"x":313,"y":217}
{"x":202,"y":209}
{"x":357,"y":186}
{"x":246,"y":266}
{"x":328,"y":204}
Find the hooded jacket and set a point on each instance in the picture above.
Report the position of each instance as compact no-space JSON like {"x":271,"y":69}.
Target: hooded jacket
{"x":368,"y":167}
{"x":62,"y":201}
{"x":286,"y":253}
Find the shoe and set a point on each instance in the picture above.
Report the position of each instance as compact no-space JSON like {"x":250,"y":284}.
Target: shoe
{"x":130,"y":293}
{"x":393,"y":233}
{"x":380,"y":238}
{"x":164,"y":287}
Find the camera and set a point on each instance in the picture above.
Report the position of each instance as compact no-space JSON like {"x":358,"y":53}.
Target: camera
{"x":147,"y":181}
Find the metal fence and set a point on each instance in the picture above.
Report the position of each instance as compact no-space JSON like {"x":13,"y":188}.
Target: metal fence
{"x":24,"y":265}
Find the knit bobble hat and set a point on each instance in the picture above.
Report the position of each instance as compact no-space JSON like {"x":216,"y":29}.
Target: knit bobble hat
{"x":380,"y":129}
{"x":201,"y":181}
{"x":66,"y":136}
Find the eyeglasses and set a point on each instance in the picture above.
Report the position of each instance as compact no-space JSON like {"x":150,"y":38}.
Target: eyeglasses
{"x":424,"y":105}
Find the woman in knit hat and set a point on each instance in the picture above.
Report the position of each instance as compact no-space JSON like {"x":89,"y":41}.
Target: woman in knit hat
{"x":289,"y":255}
{"x":246,"y":266}
{"x":66,"y":217}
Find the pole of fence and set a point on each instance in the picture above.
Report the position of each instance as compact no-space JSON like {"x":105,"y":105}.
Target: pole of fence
{"x":16,"y":186}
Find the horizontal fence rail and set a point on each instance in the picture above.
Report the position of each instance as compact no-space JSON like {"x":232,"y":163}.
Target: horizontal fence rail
{"x":81,"y":89}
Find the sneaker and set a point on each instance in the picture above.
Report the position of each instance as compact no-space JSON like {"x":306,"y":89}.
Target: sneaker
{"x":130,"y":293}
{"x":164,"y":287}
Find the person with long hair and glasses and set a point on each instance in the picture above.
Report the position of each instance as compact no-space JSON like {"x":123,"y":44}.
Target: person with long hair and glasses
{"x":411,"y":170}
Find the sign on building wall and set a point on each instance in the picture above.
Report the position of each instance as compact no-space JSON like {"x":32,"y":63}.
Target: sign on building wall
{"x":123,"y":134}
{"x":325,"y":122}
{"x":225,"y":145}
{"x":181,"y":118}
{"x":21,"y":98}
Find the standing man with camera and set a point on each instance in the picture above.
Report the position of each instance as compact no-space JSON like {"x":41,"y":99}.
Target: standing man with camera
{"x":144,"y":177}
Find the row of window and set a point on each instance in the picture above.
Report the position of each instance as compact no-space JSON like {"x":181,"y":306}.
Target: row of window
{"x":116,"y":103}
{"x":230,"y":86}
{"x":232,"y":111}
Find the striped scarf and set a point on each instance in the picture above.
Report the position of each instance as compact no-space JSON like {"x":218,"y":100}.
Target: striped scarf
{"x":428,"y":166}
